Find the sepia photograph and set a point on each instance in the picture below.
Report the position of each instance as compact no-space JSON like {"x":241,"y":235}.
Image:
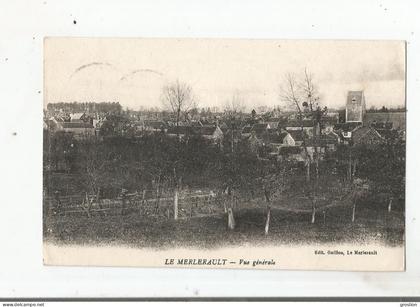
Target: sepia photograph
{"x":224,"y":153}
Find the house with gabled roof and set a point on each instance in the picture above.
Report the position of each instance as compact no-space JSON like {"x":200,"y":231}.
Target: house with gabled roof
{"x":210,"y":132}
{"x":273,"y":123}
{"x":297,"y":125}
{"x":366,"y":136}
{"x":196,"y":123}
{"x":154,"y":126}
{"x":180,"y":131}
{"x":78,"y":129}
{"x":278,"y":140}
{"x":78,"y":117}
{"x":323,"y":143}
{"x":345,"y":130}
{"x":298,"y":136}
{"x":260,"y":129}
{"x":281,"y":138}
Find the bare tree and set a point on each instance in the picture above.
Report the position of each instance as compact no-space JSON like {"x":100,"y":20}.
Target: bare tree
{"x":94,"y":164}
{"x":314,"y":111}
{"x":233,"y":108}
{"x":235,"y":105}
{"x":303,"y":95}
{"x":179,"y":99}
{"x":291,"y":93}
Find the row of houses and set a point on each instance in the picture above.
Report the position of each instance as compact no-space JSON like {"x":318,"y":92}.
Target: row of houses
{"x":283,"y":136}
{"x":331,"y":132}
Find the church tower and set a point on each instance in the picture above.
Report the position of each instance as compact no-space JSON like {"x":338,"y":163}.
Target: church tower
{"x":355,"y":106}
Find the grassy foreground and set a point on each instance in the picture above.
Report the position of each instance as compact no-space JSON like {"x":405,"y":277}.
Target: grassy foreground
{"x":372,"y":224}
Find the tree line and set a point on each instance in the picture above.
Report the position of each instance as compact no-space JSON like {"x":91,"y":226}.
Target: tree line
{"x":90,"y":107}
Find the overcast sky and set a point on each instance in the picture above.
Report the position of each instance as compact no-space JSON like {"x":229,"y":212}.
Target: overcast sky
{"x":133,"y":71}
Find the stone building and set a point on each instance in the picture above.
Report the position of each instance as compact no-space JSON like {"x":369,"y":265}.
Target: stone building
{"x":355,"y":106}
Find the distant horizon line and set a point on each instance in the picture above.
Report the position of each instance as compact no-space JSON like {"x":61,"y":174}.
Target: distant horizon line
{"x":159,"y":109}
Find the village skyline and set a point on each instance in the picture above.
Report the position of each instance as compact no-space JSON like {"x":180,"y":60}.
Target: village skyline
{"x":210,"y":144}
{"x":217,"y":109}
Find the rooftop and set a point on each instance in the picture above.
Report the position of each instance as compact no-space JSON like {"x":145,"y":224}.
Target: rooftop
{"x":76,"y":125}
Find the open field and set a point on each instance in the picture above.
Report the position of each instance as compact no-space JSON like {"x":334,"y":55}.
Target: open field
{"x":372,"y":224}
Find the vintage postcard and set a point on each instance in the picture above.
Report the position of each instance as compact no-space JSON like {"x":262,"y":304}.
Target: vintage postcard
{"x":224,"y":153}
